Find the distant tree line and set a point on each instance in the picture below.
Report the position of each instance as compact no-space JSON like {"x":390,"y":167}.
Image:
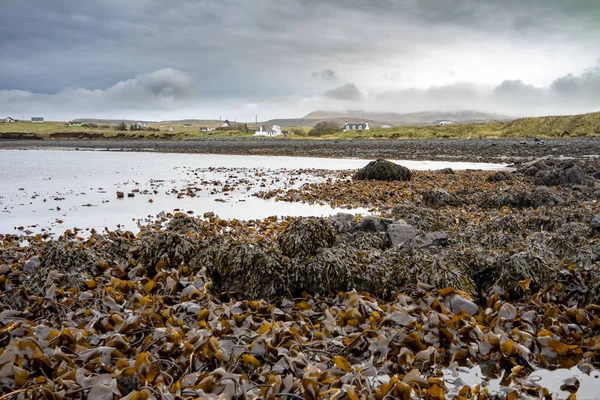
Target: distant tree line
{"x":324,"y":128}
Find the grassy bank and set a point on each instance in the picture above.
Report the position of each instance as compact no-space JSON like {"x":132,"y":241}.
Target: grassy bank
{"x":545,"y":127}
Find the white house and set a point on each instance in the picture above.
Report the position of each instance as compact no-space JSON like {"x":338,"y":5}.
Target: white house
{"x":225,"y":124}
{"x":187,"y":125}
{"x":37,"y":120}
{"x":75,"y":123}
{"x":170,"y":129}
{"x":264,"y":130}
{"x":356,"y":127}
{"x":9,"y":119}
{"x":444,"y":123}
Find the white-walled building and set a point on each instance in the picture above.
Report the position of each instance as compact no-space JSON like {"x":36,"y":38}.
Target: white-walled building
{"x":444,"y":123}
{"x":264,"y":130}
{"x":37,"y":120}
{"x":356,"y":127}
{"x":9,"y":120}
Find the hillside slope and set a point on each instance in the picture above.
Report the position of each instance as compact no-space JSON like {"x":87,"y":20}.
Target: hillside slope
{"x":419,"y":118}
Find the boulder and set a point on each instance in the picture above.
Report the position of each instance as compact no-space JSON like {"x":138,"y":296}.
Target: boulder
{"x":428,"y":239}
{"x":383,"y":170}
{"x":373,"y":224}
{"x":400,"y":233}
{"x":574,"y":175}
{"x":448,"y":171}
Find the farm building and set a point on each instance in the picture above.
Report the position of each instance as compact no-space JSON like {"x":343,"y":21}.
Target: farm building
{"x":444,"y":123}
{"x":37,"y":120}
{"x":187,"y":125}
{"x":356,"y":127}
{"x":9,"y":119}
{"x":75,"y":123}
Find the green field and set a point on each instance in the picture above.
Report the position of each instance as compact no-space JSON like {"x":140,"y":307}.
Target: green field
{"x":546,"y":127}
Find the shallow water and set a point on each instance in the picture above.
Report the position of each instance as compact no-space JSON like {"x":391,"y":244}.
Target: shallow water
{"x":551,"y":380}
{"x":57,"y":190}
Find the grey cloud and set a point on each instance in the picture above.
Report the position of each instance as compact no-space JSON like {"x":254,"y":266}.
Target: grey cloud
{"x":346,"y":92}
{"x":242,"y":52}
{"x":165,"y":89}
{"x":327,"y":75}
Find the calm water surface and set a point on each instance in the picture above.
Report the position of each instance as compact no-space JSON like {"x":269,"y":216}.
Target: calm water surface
{"x":57,"y":190}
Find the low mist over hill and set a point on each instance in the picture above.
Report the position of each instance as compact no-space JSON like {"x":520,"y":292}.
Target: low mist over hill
{"x":419,"y":118}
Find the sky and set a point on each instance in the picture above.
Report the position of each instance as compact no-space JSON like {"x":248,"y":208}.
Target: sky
{"x":235,"y":59}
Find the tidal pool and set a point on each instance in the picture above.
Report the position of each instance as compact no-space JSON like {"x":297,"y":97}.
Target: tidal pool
{"x":55,"y":190}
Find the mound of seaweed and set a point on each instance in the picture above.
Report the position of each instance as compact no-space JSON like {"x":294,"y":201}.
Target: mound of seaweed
{"x":303,"y":237}
{"x":383,"y":170}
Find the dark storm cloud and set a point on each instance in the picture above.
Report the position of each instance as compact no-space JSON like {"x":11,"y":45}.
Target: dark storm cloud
{"x":253,"y":51}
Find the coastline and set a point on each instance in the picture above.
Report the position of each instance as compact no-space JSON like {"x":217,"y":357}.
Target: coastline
{"x":472,"y":150}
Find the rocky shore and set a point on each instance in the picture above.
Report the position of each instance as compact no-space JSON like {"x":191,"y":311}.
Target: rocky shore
{"x":474,"y":150}
{"x":494,"y":270}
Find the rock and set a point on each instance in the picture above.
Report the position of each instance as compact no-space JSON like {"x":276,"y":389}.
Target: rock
{"x":342,"y":222}
{"x":31,"y":265}
{"x":373,"y":224}
{"x":448,"y":171}
{"x":499,"y":177}
{"x":428,"y":239}
{"x":574,"y":175}
{"x":456,"y":303}
{"x":440,"y":198}
{"x":383,"y":170}
{"x":596,"y":175}
{"x":549,"y":174}
{"x":400,"y":233}
{"x":596,"y":224}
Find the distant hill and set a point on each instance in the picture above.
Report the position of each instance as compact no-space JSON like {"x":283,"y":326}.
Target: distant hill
{"x":419,"y":118}
{"x":131,"y":121}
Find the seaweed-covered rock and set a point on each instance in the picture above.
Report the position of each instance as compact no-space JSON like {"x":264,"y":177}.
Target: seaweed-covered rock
{"x":305,"y":236}
{"x":67,"y":263}
{"x":534,"y":198}
{"x":448,"y":171}
{"x":499,"y":176}
{"x":440,"y":198}
{"x":553,"y":174}
{"x":247,"y":271}
{"x":170,"y":247}
{"x":537,"y":266}
{"x":383,"y":170}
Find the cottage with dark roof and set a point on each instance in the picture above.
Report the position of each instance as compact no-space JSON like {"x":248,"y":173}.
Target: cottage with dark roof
{"x":37,"y":120}
{"x":9,"y":120}
{"x":265,"y":130}
{"x":356,"y":127}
